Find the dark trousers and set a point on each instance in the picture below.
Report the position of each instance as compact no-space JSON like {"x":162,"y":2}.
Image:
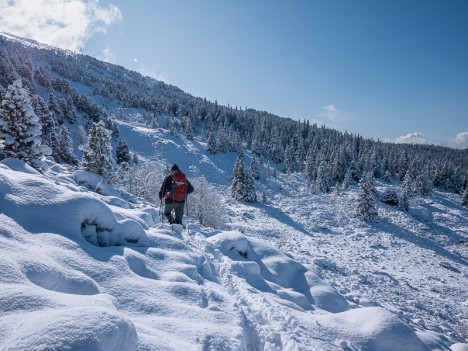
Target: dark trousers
{"x":178,"y":208}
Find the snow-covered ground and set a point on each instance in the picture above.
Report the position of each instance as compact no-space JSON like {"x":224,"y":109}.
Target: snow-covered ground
{"x":96,"y":270}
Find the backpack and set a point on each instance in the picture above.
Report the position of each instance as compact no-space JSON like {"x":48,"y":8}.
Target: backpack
{"x":179,"y":187}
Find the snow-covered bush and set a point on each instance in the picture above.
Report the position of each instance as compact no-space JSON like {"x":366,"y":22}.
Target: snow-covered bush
{"x":205,"y":204}
{"x":142,"y":180}
{"x":462,"y":328}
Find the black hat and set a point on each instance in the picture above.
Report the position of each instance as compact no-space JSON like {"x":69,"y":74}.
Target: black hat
{"x":175,"y":168}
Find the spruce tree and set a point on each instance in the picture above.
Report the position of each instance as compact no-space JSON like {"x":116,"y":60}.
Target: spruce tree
{"x":322,"y":182}
{"x":243,"y":184}
{"x":189,"y":130}
{"x":63,"y":152}
{"x":221,"y":140}
{"x":255,"y":168}
{"x":464,"y":200}
{"x":424,"y":183}
{"x":365,"y":206}
{"x":238,"y":184}
{"x":249,"y":187}
{"x":47,"y":122}
{"x":387,"y":176}
{"x":54,"y":107}
{"x":211,"y":143}
{"x":310,"y":172}
{"x":289,"y":160}
{"x":348,"y":179}
{"x":403,"y":201}
{"x":20,"y":127}
{"x":122,"y":152}
{"x":97,"y":156}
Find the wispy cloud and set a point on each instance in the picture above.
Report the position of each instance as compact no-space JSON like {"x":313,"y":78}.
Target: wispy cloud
{"x":461,"y":140}
{"x":67,"y":24}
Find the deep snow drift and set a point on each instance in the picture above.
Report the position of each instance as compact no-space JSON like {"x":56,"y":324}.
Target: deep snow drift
{"x":96,"y":270}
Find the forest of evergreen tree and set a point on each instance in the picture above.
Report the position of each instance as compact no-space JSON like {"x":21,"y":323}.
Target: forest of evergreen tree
{"x":326,"y":157}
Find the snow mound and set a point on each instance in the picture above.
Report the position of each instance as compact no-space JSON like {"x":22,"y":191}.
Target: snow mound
{"x":70,"y":329}
{"x":40,"y":205}
{"x":371,"y":328}
{"x":264,"y":267}
{"x":325,"y":296}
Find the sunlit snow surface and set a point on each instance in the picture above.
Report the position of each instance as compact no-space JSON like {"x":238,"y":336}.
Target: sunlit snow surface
{"x":88,"y":270}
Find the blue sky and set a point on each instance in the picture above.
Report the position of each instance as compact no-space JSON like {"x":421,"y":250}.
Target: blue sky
{"x":390,"y":70}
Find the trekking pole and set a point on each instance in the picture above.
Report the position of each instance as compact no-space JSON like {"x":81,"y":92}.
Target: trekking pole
{"x":187,"y":215}
{"x":160,"y":211}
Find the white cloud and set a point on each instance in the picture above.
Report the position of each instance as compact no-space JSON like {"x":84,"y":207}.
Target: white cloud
{"x":331,"y":113}
{"x":461,"y":140}
{"x":412,"y":138}
{"x":67,"y":24}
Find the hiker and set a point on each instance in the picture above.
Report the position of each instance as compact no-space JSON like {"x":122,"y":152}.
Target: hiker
{"x":174,"y":190}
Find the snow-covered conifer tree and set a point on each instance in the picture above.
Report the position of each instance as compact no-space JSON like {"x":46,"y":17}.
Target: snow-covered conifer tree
{"x":97,"y":154}
{"x":47,"y":122}
{"x":348,"y":179}
{"x":20,"y":127}
{"x":238,"y":185}
{"x":464,"y":200}
{"x":255,"y":168}
{"x":122,"y":152}
{"x":402,"y":164}
{"x":63,"y":152}
{"x":54,"y":107}
{"x":300,"y":155}
{"x":250,"y":194}
{"x":322,"y":182}
{"x":289,"y":160}
{"x":243,"y":185}
{"x":310,"y":172}
{"x":189,"y":130}
{"x":424,"y":183}
{"x":221,"y":141}
{"x":365,"y":206}
{"x":408,"y":183}
{"x":403,"y":200}
{"x":211,"y":143}
{"x":387,"y":176}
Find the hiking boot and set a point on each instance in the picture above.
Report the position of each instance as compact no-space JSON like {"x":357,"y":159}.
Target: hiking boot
{"x":170,"y":219}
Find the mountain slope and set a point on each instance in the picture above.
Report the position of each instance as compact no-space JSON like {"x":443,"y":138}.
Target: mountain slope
{"x":287,"y":277}
{"x":88,"y":266}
